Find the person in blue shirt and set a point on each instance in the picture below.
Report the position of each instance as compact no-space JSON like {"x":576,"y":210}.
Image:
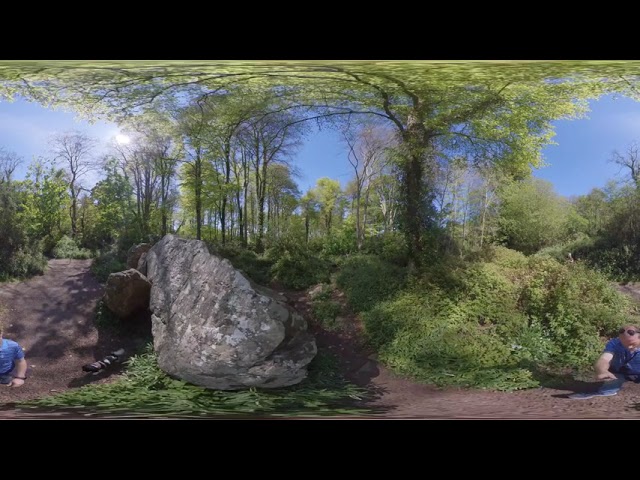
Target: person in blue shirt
{"x":619,"y":363}
{"x":13,"y":366}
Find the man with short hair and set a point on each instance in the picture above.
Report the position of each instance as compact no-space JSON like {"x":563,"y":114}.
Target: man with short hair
{"x":620,"y":362}
{"x":13,"y":366}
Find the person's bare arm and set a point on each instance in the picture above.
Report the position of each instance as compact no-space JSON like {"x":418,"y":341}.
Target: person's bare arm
{"x":602,"y":367}
{"x":21,"y":371}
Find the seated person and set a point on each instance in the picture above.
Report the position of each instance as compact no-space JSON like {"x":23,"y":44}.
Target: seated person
{"x":618,"y":363}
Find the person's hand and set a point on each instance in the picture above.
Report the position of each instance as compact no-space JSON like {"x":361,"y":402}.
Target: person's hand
{"x":16,"y":382}
{"x":606,"y":376}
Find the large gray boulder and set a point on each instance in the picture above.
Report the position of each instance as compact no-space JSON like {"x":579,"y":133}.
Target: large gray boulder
{"x":134,"y":254}
{"x":127,"y":292}
{"x":212,"y":327}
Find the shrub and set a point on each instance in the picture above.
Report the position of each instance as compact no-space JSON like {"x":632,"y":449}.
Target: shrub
{"x":560,"y":252}
{"x":326,"y":312}
{"x":491,"y":324}
{"x":67,"y":248}
{"x":341,"y":242}
{"x":295,"y":265}
{"x":390,"y":247}
{"x":367,"y":280}
{"x":430,"y":338}
{"x":299,"y":270}
{"x":108,"y":262}
{"x":26,"y":262}
{"x":254,"y":266}
{"x":574,"y":306}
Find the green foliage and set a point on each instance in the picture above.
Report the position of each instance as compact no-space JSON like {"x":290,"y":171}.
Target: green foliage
{"x":390,"y":247}
{"x":13,"y":235}
{"x":490,"y":295}
{"x":506,"y":257}
{"x":25,"y":262}
{"x":430,"y":338}
{"x":108,"y":262}
{"x":105,"y":318}
{"x":341,"y":242}
{"x":112,"y":219}
{"x":68,"y":248}
{"x":578,"y":247}
{"x":533,"y":347}
{"x":532,"y":216}
{"x":253,"y":265}
{"x":299,"y":270}
{"x":574,"y":306}
{"x":367,"y":280}
{"x":325,"y":310}
{"x":328,"y":194}
{"x":144,"y":389}
{"x":495,"y":322}
{"x":296,"y":266}
{"x":288,"y":260}
{"x":44,"y":203}
{"x":618,"y":262}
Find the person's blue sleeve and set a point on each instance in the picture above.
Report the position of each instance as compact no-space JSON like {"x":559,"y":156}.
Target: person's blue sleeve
{"x":19,"y":355}
{"x":610,"y":346}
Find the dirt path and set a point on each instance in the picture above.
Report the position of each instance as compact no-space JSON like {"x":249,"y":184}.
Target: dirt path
{"x":402,"y":398}
{"x":397,"y":397}
{"x":52,"y":316}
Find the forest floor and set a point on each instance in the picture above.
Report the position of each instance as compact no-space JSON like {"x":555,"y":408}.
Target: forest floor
{"x":52,"y":317}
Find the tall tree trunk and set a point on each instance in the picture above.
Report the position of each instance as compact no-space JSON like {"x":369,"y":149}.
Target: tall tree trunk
{"x":240,"y":217}
{"x":358,"y":228}
{"x":232,"y":221}
{"x":253,"y":215}
{"x":163,"y":207}
{"x":74,"y":209}
{"x":198,"y":194}
{"x":306,"y":228}
{"x":417,"y":191}
{"x":364,"y":214}
{"x":227,"y":176}
{"x":245,"y":238}
{"x":484,"y":214}
{"x":413,"y":197}
{"x":262,"y":192}
{"x":238,"y":202}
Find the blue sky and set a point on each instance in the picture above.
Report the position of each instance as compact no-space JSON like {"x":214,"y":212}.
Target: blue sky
{"x":579,"y":161}
{"x":576,"y":164}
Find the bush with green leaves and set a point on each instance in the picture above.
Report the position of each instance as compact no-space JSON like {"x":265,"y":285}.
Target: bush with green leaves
{"x":577,"y":247}
{"x":253,"y":265}
{"x":325,"y":310}
{"x":68,"y":248}
{"x":494,"y":323}
{"x":25,"y":262}
{"x":575,"y":306}
{"x":390,"y":246}
{"x":621,"y":262}
{"x":341,"y":242}
{"x":108,"y":262}
{"x":144,"y":389}
{"x":431,"y":338}
{"x":367,"y":280}
{"x":300,"y":270}
{"x":295,"y":266}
